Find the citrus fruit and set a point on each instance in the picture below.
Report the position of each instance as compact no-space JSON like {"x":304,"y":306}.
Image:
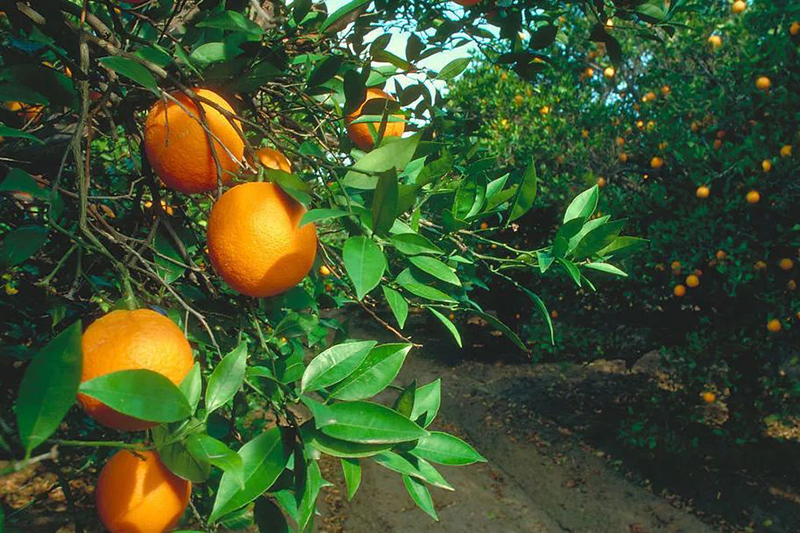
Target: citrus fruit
{"x":360,"y":133}
{"x":623,"y":157}
{"x":675,"y":265}
{"x":601,"y":182}
{"x":544,"y":110}
{"x":703,"y":191}
{"x":254,"y":241}
{"x":763,"y":83}
{"x":739,"y":6}
{"x":609,"y":72}
{"x":518,"y":99}
{"x":136,"y":493}
{"x":273,"y":159}
{"x":753,"y":197}
{"x":324,"y":271}
{"x":589,"y":72}
{"x":766,"y":165}
{"x":26,"y":112}
{"x":786,"y":150}
{"x":679,"y":291}
{"x":177,"y":145}
{"x":786,"y":264}
{"x":774,"y":325}
{"x":128,"y":340}
{"x":656,"y":162}
{"x":708,"y":397}
{"x":721,"y":255}
{"x":794,"y":29}
{"x":715,"y":41}
{"x":692,"y":281}
{"x":665,"y":90}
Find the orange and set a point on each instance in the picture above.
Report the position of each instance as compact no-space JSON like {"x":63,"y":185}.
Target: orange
{"x":254,"y":241}
{"x":589,"y":72}
{"x":273,"y":159}
{"x":679,"y":291}
{"x":786,"y":150}
{"x":665,"y":90}
{"x":360,"y":133}
{"x":786,"y":264}
{"x":766,"y":165}
{"x":759,"y":265}
{"x":518,"y":99}
{"x":27,"y":113}
{"x":484,"y":225}
{"x":717,"y":144}
{"x":708,"y":397}
{"x":178,"y":149}
{"x":585,"y":134}
{"x":656,"y":162}
{"x":609,"y":72}
{"x":721,"y":255}
{"x":544,"y":110}
{"x":136,"y":493}
{"x":715,"y":41}
{"x":623,"y":157}
{"x":554,"y":314}
{"x":794,"y":29}
{"x":675,"y":265}
{"x":763,"y":83}
{"x":692,"y":281}
{"x":324,"y":271}
{"x":620,"y":141}
{"x":739,"y":6}
{"x":753,"y":197}
{"x":774,"y":325}
{"x":601,"y":182}
{"x":127,"y":340}
{"x":791,"y":285}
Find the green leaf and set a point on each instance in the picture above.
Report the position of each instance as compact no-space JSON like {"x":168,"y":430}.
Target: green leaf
{"x":427,"y":400}
{"x":168,"y":270}
{"x":543,"y":37}
{"x":192,"y":386}
{"x":583,"y":205}
{"x":177,"y":458}
{"x":392,"y":155}
{"x":132,"y":70}
{"x":364,"y":262}
{"x":414,"y":244}
{"x":326,"y":70}
{"x":5,"y":131}
{"x":384,"y":202}
{"x":407,"y":280}
{"x":404,"y":403}
{"x":231,"y":20}
{"x":448,"y":324}
{"x":545,"y":313}
{"x":598,"y":238}
{"x":351,"y":469}
{"x":226,"y":378}
{"x":338,"y":447}
{"x":291,"y":184}
{"x":622,"y":246}
{"x":421,"y":495}
{"x":268,"y":516}
{"x":572,"y":270}
{"x":397,"y":303}
{"x":323,"y":416}
{"x":508,"y":332}
{"x":263,"y":460}
{"x":212,"y":451}
{"x":374,"y":374}
{"x":435,"y":268}
{"x":139,"y":393}
{"x":312,"y":482}
{"x":17,"y":180}
{"x":371,"y":423}
{"x":453,"y":68}
{"x":341,"y":13}
{"x":605,"y":267}
{"x":20,"y":244}
{"x":49,"y":387}
{"x":315,"y":215}
{"x":412,"y":466}
{"x":334,"y":364}
{"x":441,"y":448}
{"x":526,"y":194}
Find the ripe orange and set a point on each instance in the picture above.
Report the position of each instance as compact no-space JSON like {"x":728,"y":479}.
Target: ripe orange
{"x":640,"y":124}
{"x":136,"y":493}
{"x":679,"y":291}
{"x":738,"y":6}
{"x":324,"y":271}
{"x":786,"y":264}
{"x":708,"y":397}
{"x":753,"y":197}
{"x":589,"y":72}
{"x":766,"y":165}
{"x":791,"y":285}
{"x":717,"y":144}
{"x":601,"y":182}
{"x":127,"y":340}
{"x":650,"y":96}
{"x":553,"y":314}
{"x":585,"y":134}
{"x":544,"y":110}
{"x":774,"y":325}
{"x":360,"y":133}
{"x":27,"y":113}
{"x":675,"y":265}
{"x":656,"y":162}
{"x":273,"y":159}
{"x":759,"y":265}
{"x":609,"y":72}
{"x":254,"y":241}
{"x":177,"y":146}
{"x":721,"y":255}
{"x":620,"y":141}
{"x":665,"y":90}
{"x":623,"y":157}
{"x":715,"y":41}
{"x":518,"y":99}
{"x":794,"y":29}
{"x":763,"y":83}
{"x":692,"y":281}
{"x":786,"y":150}
{"x":484,"y":225}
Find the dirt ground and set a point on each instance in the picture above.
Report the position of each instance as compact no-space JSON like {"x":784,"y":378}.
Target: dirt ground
{"x":555,"y":462}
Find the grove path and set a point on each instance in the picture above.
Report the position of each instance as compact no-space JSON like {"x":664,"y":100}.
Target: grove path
{"x":540,"y":477}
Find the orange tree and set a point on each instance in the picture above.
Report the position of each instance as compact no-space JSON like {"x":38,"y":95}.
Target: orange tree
{"x":693,"y":136}
{"x":200,"y":183}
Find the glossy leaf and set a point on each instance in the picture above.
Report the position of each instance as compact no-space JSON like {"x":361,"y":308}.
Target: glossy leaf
{"x":364,"y":262}
{"x":439,"y":447}
{"x":337,"y":447}
{"x":20,"y":244}
{"x":453,"y":68}
{"x":421,"y":495}
{"x":334,"y":364}
{"x":583,"y":205}
{"x":414,"y":244}
{"x":397,"y":304}
{"x":427,"y":400}
{"x":49,"y":387}
{"x":342,"y":13}
{"x":526,"y":194}
{"x":316,"y":215}
{"x":374,"y":374}
{"x":351,"y":469}
{"x":215,"y":452}
{"x":226,"y":378}
{"x":384,"y":202}
{"x":268,"y":517}
{"x":448,"y":324}
{"x":608,"y":269}
{"x":131,"y":69}
{"x":392,"y":155}
{"x":139,"y":393}
{"x":407,"y":280}
{"x":435,"y":268}
{"x":176,"y":457}
{"x":371,"y":423}
{"x":543,"y":310}
{"x":192,"y":386}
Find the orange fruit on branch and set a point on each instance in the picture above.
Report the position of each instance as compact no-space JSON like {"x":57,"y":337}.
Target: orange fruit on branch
{"x":360,"y":133}
{"x":703,"y":191}
{"x":753,"y":197}
{"x":739,"y":6}
{"x":692,"y":281}
{"x":178,"y":147}
{"x":709,"y":397}
{"x":136,"y":493}
{"x":656,"y":162}
{"x":774,"y":325}
{"x":715,"y":41}
{"x":273,"y":159}
{"x":254,"y":241}
{"x":128,"y":340}
{"x":679,"y":291}
{"x":763,"y":83}
{"x":786,"y":264}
